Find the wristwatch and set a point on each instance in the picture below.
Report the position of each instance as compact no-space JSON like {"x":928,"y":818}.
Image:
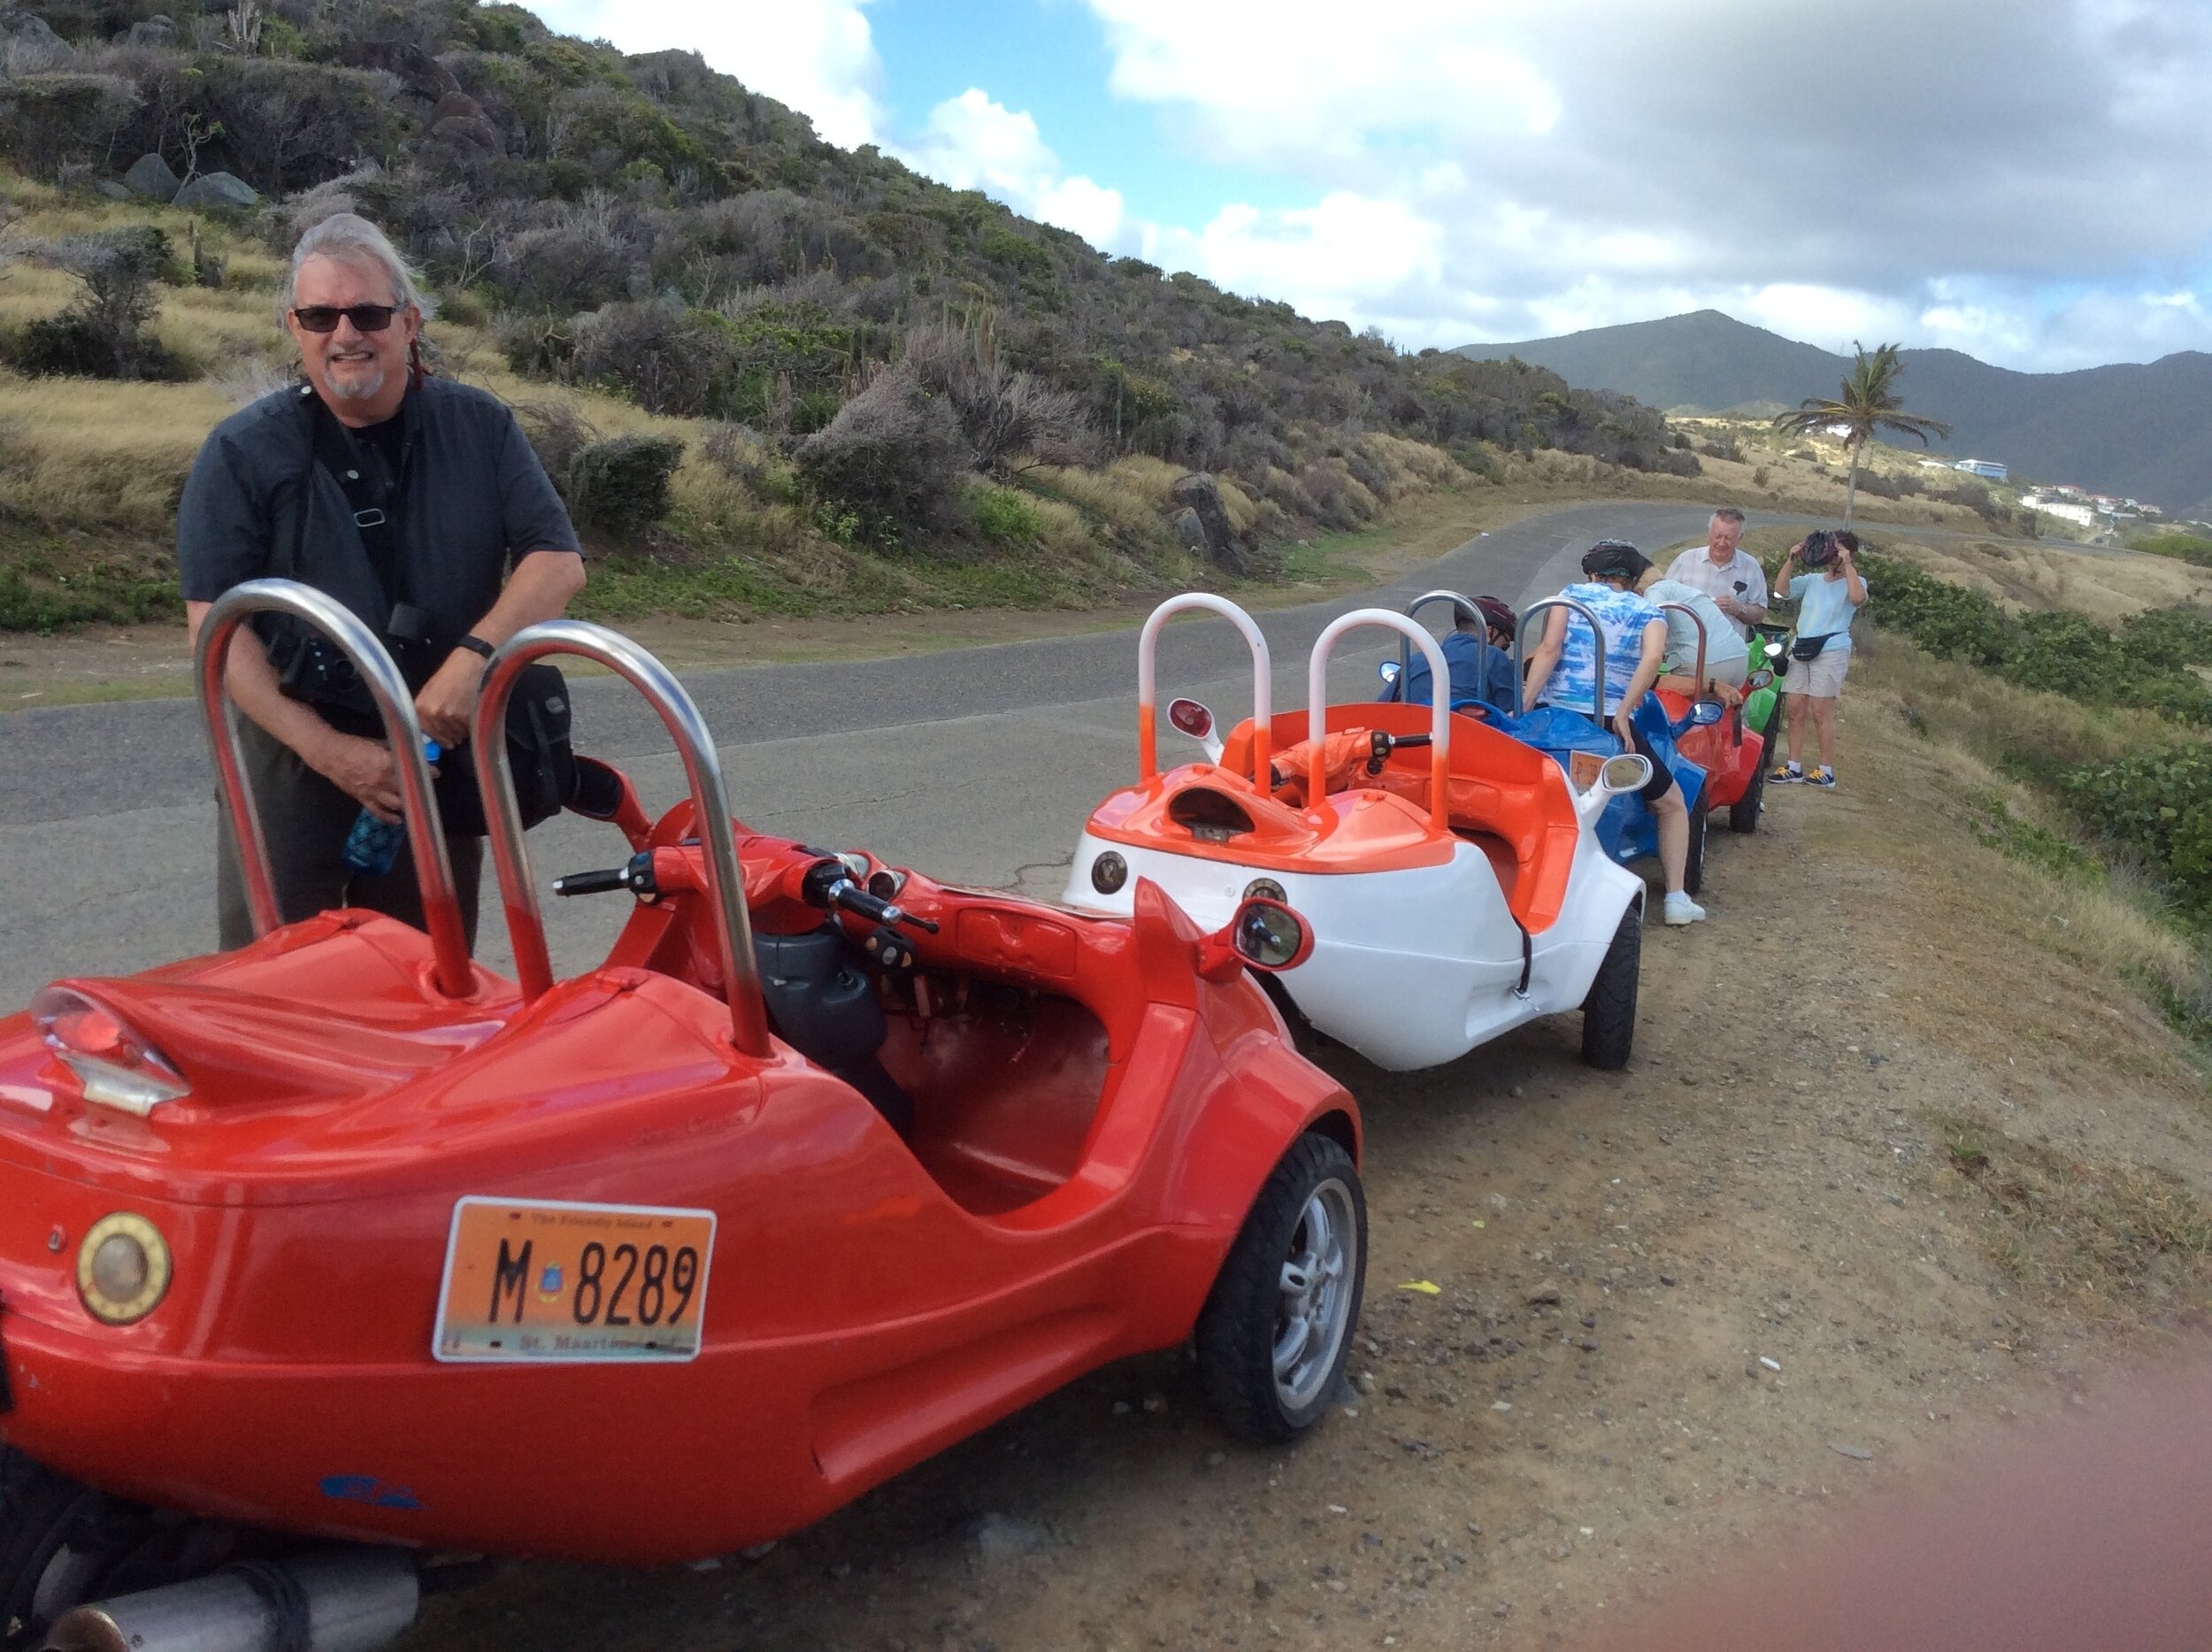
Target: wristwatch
{"x":476,"y":645}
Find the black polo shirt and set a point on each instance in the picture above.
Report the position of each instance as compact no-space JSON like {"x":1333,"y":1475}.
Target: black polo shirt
{"x":471,"y":500}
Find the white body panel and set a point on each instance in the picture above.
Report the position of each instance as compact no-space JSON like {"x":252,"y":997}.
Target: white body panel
{"x":1411,"y":968}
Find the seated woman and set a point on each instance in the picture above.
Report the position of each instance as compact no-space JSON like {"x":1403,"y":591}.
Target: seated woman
{"x":1481,"y":664}
{"x":1562,"y":671}
{"x":1727,"y":655}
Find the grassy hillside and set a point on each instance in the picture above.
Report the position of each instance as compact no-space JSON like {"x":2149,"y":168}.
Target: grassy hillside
{"x":888,"y":393}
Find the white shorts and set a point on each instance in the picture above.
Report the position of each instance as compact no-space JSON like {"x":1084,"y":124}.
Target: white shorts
{"x":1821,"y":677}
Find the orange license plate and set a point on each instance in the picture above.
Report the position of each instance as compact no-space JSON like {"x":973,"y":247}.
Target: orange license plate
{"x":536,"y":1280}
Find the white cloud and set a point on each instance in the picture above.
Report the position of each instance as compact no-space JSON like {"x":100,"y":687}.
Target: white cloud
{"x":973,"y":142}
{"x":1934,"y":174}
{"x":816,"y":56}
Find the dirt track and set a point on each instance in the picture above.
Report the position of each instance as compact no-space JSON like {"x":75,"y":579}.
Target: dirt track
{"x":1766,"y":1183}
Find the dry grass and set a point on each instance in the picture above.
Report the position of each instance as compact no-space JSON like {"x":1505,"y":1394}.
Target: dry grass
{"x":2096,"y":1231}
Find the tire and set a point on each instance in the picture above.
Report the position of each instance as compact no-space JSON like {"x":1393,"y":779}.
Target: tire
{"x":40,"y":1511}
{"x":1609,"y":1013}
{"x":1743,"y":814}
{"x":1311,"y":1216}
{"x":1694,"y":867}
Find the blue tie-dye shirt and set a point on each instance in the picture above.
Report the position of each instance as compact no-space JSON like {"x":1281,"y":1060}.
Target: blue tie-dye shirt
{"x":1573,"y":682}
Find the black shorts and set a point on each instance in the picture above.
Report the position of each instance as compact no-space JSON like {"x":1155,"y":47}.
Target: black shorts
{"x":1660,"y":782}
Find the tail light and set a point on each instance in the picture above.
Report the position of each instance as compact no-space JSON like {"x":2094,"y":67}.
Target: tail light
{"x":117,"y":1066}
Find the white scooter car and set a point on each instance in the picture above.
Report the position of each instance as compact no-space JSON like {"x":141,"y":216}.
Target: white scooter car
{"x":1451,"y":876}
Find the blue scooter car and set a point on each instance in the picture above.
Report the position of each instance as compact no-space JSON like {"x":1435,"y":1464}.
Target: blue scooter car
{"x":1580,"y":743}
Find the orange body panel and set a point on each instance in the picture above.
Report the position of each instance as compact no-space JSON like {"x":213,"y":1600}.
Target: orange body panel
{"x":1509,"y":798}
{"x":1089,"y":1135}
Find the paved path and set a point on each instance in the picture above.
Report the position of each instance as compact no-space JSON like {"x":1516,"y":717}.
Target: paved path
{"x":977,"y":764}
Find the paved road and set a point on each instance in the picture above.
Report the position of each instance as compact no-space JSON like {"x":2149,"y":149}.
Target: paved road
{"x":978,"y":764}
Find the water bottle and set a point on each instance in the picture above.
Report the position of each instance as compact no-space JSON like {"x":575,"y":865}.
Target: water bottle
{"x":372,"y":846}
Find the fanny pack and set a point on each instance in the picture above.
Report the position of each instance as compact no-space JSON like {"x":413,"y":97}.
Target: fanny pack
{"x":315,"y":671}
{"x":1810,"y":648}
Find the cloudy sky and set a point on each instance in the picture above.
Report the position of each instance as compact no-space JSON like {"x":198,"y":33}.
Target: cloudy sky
{"x":2028,"y":181}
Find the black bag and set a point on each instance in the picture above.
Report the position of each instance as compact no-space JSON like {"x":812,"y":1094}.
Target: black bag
{"x":310,"y":669}
{"x":1810,"y":648}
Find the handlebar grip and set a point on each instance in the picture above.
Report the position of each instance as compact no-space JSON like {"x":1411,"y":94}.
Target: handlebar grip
{"x":593,"y":882}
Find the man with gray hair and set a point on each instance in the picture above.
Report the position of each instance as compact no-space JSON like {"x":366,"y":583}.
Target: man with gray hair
{"x":414,"y":501}
{"x":1731,"y":577}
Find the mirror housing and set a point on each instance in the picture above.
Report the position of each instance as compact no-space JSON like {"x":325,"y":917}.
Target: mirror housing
{"x":1388,"y":672}
{"x":1704,"y":713}
{"x":1628,"y":772}
{"x":1758,"y":679}
{"x":1774,"y":650}
{"x":1260,"y":934}
{"x":1190,"y":716}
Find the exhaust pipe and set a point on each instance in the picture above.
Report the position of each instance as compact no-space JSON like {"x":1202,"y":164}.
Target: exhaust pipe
{"x":356,"y":1599}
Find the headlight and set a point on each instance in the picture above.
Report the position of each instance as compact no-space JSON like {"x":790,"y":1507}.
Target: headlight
{"x":122,"y":1268}
{"x":1108,"y":872}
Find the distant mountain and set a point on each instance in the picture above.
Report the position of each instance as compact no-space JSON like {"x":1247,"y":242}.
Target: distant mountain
{"x":2144,"y":431}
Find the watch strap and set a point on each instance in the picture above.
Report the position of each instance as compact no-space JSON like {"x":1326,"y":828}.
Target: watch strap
{"x":476,"y":645}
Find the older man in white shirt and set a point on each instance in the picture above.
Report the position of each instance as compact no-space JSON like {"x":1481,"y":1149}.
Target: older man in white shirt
{"x":1731,"y":577}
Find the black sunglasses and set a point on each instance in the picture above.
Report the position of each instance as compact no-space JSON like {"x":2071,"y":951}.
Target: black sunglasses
{"x":365,"y":318}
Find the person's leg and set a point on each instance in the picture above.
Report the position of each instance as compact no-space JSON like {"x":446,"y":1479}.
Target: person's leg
{"x":1674,"y":821}
{"x":304,"y":821}
{"x":397,"y":895}
{"x":1823,"y":713}
{"x":1797,"y":706}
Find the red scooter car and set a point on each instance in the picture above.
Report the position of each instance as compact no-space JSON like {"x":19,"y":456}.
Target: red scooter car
{"x":1732,"y":754}
{"x":342,"y":1237}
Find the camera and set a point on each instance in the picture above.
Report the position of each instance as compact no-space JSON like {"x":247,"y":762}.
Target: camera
{"x":1819,"y":549}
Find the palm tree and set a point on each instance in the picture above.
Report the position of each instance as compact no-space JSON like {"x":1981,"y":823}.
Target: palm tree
{"x":1868,"y":406}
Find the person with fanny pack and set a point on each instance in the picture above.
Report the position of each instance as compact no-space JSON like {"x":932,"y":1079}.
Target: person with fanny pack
{"x":1828,"y":600}
{"x":417,"y":504}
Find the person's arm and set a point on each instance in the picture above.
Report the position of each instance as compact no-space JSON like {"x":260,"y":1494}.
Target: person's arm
{"x":362,"y":769}
{"x":540,"y":589}
{"x":1538,"y":666}
{"x":1854,"y":586}
{"x":1745,"y":608}
{"x":1647,"y":674}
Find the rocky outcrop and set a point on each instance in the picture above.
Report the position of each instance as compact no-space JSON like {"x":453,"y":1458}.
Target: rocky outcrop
{"x":218,"y":189}
{"x":459,"y":120}
{"x":151,"y":31}
{"x":151,"y":178}
{"x":1201,"y":499}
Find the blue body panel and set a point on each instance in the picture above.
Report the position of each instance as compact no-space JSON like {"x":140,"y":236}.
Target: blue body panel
{"x":1626,"y":830}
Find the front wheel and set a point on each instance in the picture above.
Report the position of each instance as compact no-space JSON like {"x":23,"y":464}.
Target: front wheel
{"x":1609,"y":1013}
{"x":1743,"y":814}
{"x":1277,"y":1327}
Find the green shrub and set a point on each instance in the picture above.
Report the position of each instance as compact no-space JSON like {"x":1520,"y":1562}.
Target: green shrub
{"x":108,"y":593}
{"x":1007,"y":519}
{"x":621,"y":485}
{"x":2160,"y":804}
{"x":2187,"y":547}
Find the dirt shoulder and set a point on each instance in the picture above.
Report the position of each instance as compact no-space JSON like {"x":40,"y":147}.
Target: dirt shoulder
{"x":1903,"y":1159}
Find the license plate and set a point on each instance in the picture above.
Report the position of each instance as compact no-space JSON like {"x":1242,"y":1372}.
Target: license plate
{"x":539,"y":1281}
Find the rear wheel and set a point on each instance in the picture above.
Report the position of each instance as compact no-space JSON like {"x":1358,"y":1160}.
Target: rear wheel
{"x":1277,"y":1327}
{"x":1743,"y":814}
{"x":1608,"y":1014}
{"x":1694,"y":867}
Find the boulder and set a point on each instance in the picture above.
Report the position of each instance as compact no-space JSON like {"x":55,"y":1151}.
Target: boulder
{"x":108,"y":190}
{"x":1200,"y":497}
{"x":218,"y":189}
{"x":152,"y":31}
{"x":26,"y":28}
{"x":150,"y":176}
{"x":1189,"y":529}
{"x":459,"y":120}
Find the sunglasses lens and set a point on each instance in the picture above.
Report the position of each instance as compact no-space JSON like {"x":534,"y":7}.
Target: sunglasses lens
{"x":324,"y":318}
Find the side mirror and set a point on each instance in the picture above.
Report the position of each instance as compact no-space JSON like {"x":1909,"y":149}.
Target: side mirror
{"x":1630,"y":771}
{"x":1262,"y":935}
{"x":1388,"y":672}
{"x":1705,"y":713}
{"x":1774,"y":650}
{"x":1190,"y":716}
{"x":1758,"y":679}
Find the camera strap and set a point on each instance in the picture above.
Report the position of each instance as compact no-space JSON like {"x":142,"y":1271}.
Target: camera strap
{"x":371,"y":493}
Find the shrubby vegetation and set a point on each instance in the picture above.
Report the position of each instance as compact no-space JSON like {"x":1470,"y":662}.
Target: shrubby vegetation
{"x":2156,"y":800}
{"x":646,"y":225}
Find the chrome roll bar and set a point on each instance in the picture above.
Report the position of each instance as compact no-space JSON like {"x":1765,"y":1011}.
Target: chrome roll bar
{"x":1462,"y":608}
{"x":1440,"y":706}
{"x":710,"y":803}
{"x":1148,"y":645}
{"x":1697,"y":678}
{"x":1520,"y":639}
{"x":426,"y":833}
